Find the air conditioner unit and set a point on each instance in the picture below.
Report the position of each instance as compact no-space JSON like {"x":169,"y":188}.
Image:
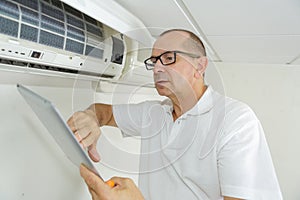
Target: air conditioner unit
{"x":135,"y":73}
{"x":52,"y":38}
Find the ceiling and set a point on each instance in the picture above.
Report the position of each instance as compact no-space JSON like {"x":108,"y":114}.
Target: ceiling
{"x":248,"y":31}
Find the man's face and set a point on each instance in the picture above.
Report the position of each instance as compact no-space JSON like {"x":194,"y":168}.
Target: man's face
{"x":178,"y":78}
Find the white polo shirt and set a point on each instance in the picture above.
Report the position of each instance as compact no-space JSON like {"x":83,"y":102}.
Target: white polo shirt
{"x":215,"y":149}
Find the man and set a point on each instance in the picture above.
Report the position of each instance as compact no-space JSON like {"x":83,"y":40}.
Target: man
{"x":197,"y":144}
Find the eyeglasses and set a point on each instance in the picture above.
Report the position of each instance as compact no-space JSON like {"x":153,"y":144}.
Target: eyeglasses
{"x":166,"y":58}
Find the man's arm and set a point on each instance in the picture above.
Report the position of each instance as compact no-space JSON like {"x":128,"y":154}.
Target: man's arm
{"x":104,"y":114}
{"x":85,"y":125}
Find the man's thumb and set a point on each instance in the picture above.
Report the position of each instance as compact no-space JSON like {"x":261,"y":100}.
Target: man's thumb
{"x":93,"y":153}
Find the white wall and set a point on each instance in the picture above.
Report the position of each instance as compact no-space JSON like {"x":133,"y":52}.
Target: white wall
{"x":32,"y":165}
{"x":273,"y":92}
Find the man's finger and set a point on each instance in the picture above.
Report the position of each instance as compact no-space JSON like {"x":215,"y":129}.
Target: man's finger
{"x":77,"y":136}
{"x":75,"y":122}
{"x":71,"y":124}
{"x":91,"y":179}
{"x":93,"y":193}
{"x":84,"y":132}
{"x":93,"y":153}
{"x":78,"y":119}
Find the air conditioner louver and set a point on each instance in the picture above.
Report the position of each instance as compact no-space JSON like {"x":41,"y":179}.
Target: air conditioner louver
{"x":28,"y":66}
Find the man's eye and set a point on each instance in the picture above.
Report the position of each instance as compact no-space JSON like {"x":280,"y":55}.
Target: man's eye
{"x":153,"y":60}
{"x":169,"y":58}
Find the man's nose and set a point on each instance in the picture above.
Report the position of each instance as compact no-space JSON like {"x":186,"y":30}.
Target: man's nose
{"x":158,"y":67}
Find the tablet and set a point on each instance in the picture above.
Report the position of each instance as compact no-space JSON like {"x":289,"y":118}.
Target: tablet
{"x":57,"y":127}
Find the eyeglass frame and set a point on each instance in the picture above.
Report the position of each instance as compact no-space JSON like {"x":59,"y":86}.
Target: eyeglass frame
{"x":149,"y":67}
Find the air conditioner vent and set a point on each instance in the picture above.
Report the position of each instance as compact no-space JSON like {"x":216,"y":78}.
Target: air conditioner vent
{"x":15,"y":63}
{"x":51,"y":23}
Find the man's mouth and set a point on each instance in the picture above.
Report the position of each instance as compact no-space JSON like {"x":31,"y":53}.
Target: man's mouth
{"x":160,"y":79}
{"x":161,"y":82}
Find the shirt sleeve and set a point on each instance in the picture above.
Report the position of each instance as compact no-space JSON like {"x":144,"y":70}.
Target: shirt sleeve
{"x":130,"y":117}
{"x":244,"y":161}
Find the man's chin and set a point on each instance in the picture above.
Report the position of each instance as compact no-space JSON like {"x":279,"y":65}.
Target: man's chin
{"x":162,"y":91}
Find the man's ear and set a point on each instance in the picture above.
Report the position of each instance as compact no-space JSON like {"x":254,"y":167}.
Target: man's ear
{"x":202,"y":63}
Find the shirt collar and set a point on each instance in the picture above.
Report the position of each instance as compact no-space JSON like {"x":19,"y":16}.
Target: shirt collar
{"x":205,"y":104}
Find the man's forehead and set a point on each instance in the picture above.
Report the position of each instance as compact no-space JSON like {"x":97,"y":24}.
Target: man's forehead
{"x":170,"y":41}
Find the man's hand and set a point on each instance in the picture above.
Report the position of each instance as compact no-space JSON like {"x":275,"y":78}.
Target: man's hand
{"x":85,"y":126}
{"x":124,"y":188}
